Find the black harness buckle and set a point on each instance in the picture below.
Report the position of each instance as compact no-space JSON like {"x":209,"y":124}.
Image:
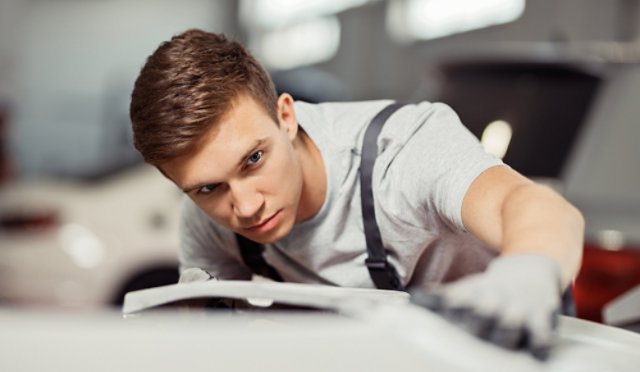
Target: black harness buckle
{"x":383,"y":274}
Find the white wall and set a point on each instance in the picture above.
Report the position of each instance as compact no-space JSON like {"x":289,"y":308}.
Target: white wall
{"x":371,"y":65}
{"x":71,"y":68}
{"x":11,"y":13}
{"x":603,"y":176}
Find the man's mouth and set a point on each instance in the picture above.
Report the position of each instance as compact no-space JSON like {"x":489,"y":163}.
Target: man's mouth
{"x":265,"y":225}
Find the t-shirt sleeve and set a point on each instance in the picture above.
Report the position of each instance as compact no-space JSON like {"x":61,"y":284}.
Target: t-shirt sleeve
{"x":436,"y":160}
{"x":208,"y":246}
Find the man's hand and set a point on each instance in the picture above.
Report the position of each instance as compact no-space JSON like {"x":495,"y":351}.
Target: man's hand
{"x":194,"y":274}
{"x":514,"y":303}
{"x":195,"y":305}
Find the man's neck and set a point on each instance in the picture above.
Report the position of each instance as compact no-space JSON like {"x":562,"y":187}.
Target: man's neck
{"x":314,"y":177}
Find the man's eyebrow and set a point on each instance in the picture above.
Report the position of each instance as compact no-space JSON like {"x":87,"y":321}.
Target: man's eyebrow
{"x":253,"y":148}
{"x":248,"y":153}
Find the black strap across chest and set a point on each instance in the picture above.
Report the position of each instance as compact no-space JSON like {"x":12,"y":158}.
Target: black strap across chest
{"x":252,"y":256}
{"x":382,"y":272}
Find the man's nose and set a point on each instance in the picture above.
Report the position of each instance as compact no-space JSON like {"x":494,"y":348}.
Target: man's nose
{"x":246,"y":199}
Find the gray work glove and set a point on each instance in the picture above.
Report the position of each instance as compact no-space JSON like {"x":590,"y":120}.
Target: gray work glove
{"x":195,"y":305}
{"x":513,"y":304}
{"x":194,"y":274}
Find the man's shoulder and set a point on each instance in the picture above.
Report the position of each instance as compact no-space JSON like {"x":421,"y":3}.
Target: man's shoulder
{"x":353,"y":112}
{"x":344,"y":110}
{"x":340,"y":123}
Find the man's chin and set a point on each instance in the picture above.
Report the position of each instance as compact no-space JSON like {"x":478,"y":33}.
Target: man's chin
{"x":269,"y":237}
{"x":266,"y":240}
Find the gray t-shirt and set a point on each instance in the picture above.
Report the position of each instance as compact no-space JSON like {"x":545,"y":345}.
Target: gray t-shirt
{"x":426,"y":162}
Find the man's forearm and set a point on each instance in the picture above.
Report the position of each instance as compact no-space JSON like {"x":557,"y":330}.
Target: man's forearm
{"x":534,"y":227}
{"x":535,"y":219}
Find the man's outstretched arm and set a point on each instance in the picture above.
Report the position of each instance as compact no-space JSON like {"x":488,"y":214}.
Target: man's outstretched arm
{"x":515,"y":302}
{"x":511,"y":213}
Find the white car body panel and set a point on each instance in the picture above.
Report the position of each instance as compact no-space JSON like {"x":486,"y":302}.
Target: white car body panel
{"x":382,"y":340}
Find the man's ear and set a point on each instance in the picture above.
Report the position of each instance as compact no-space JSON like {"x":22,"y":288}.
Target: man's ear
{"x":287,"y":115}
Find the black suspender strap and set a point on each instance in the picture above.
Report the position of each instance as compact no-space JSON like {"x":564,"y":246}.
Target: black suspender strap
{"x":252,"y":257}
{"x":382,"y":273}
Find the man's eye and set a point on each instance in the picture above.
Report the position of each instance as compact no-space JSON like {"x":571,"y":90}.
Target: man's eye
{"x":254,"y":158}
{"x":207,"y":189}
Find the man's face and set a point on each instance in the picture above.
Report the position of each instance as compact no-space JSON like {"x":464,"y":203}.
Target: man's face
{"x":245,"y":173}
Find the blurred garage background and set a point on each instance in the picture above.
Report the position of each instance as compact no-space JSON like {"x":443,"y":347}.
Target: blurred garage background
{"x":549,"y":85}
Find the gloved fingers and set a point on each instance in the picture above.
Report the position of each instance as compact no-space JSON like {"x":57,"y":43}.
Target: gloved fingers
{"x":472,"y":310}
{"x":465,"y":293}
{"x":483,"y":314}
{"x":511,"y":335}
{"x":450,"y":298}
{"x":465,"y":318}
{"x":510,"y":331}
{"x":194,"y":274}
{"x":523,"y":326}
{"x":432,"y":300}
{"x":478,"y":325}
{"x":506,"y":305}
{"x":511,"y":338}
{"x":471,"y":305}
{"x":542,"y":327}
{"x":528,"y":330}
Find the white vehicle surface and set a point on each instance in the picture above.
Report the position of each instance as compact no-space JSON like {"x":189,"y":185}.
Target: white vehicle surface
{"x":83,"y":244}
{"x":382,"y":338}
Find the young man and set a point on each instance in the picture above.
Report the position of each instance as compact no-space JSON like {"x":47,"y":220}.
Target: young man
{"x":286,"y":174}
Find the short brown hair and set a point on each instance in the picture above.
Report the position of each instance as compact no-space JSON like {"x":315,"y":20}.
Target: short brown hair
{"x":186,"y":86}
